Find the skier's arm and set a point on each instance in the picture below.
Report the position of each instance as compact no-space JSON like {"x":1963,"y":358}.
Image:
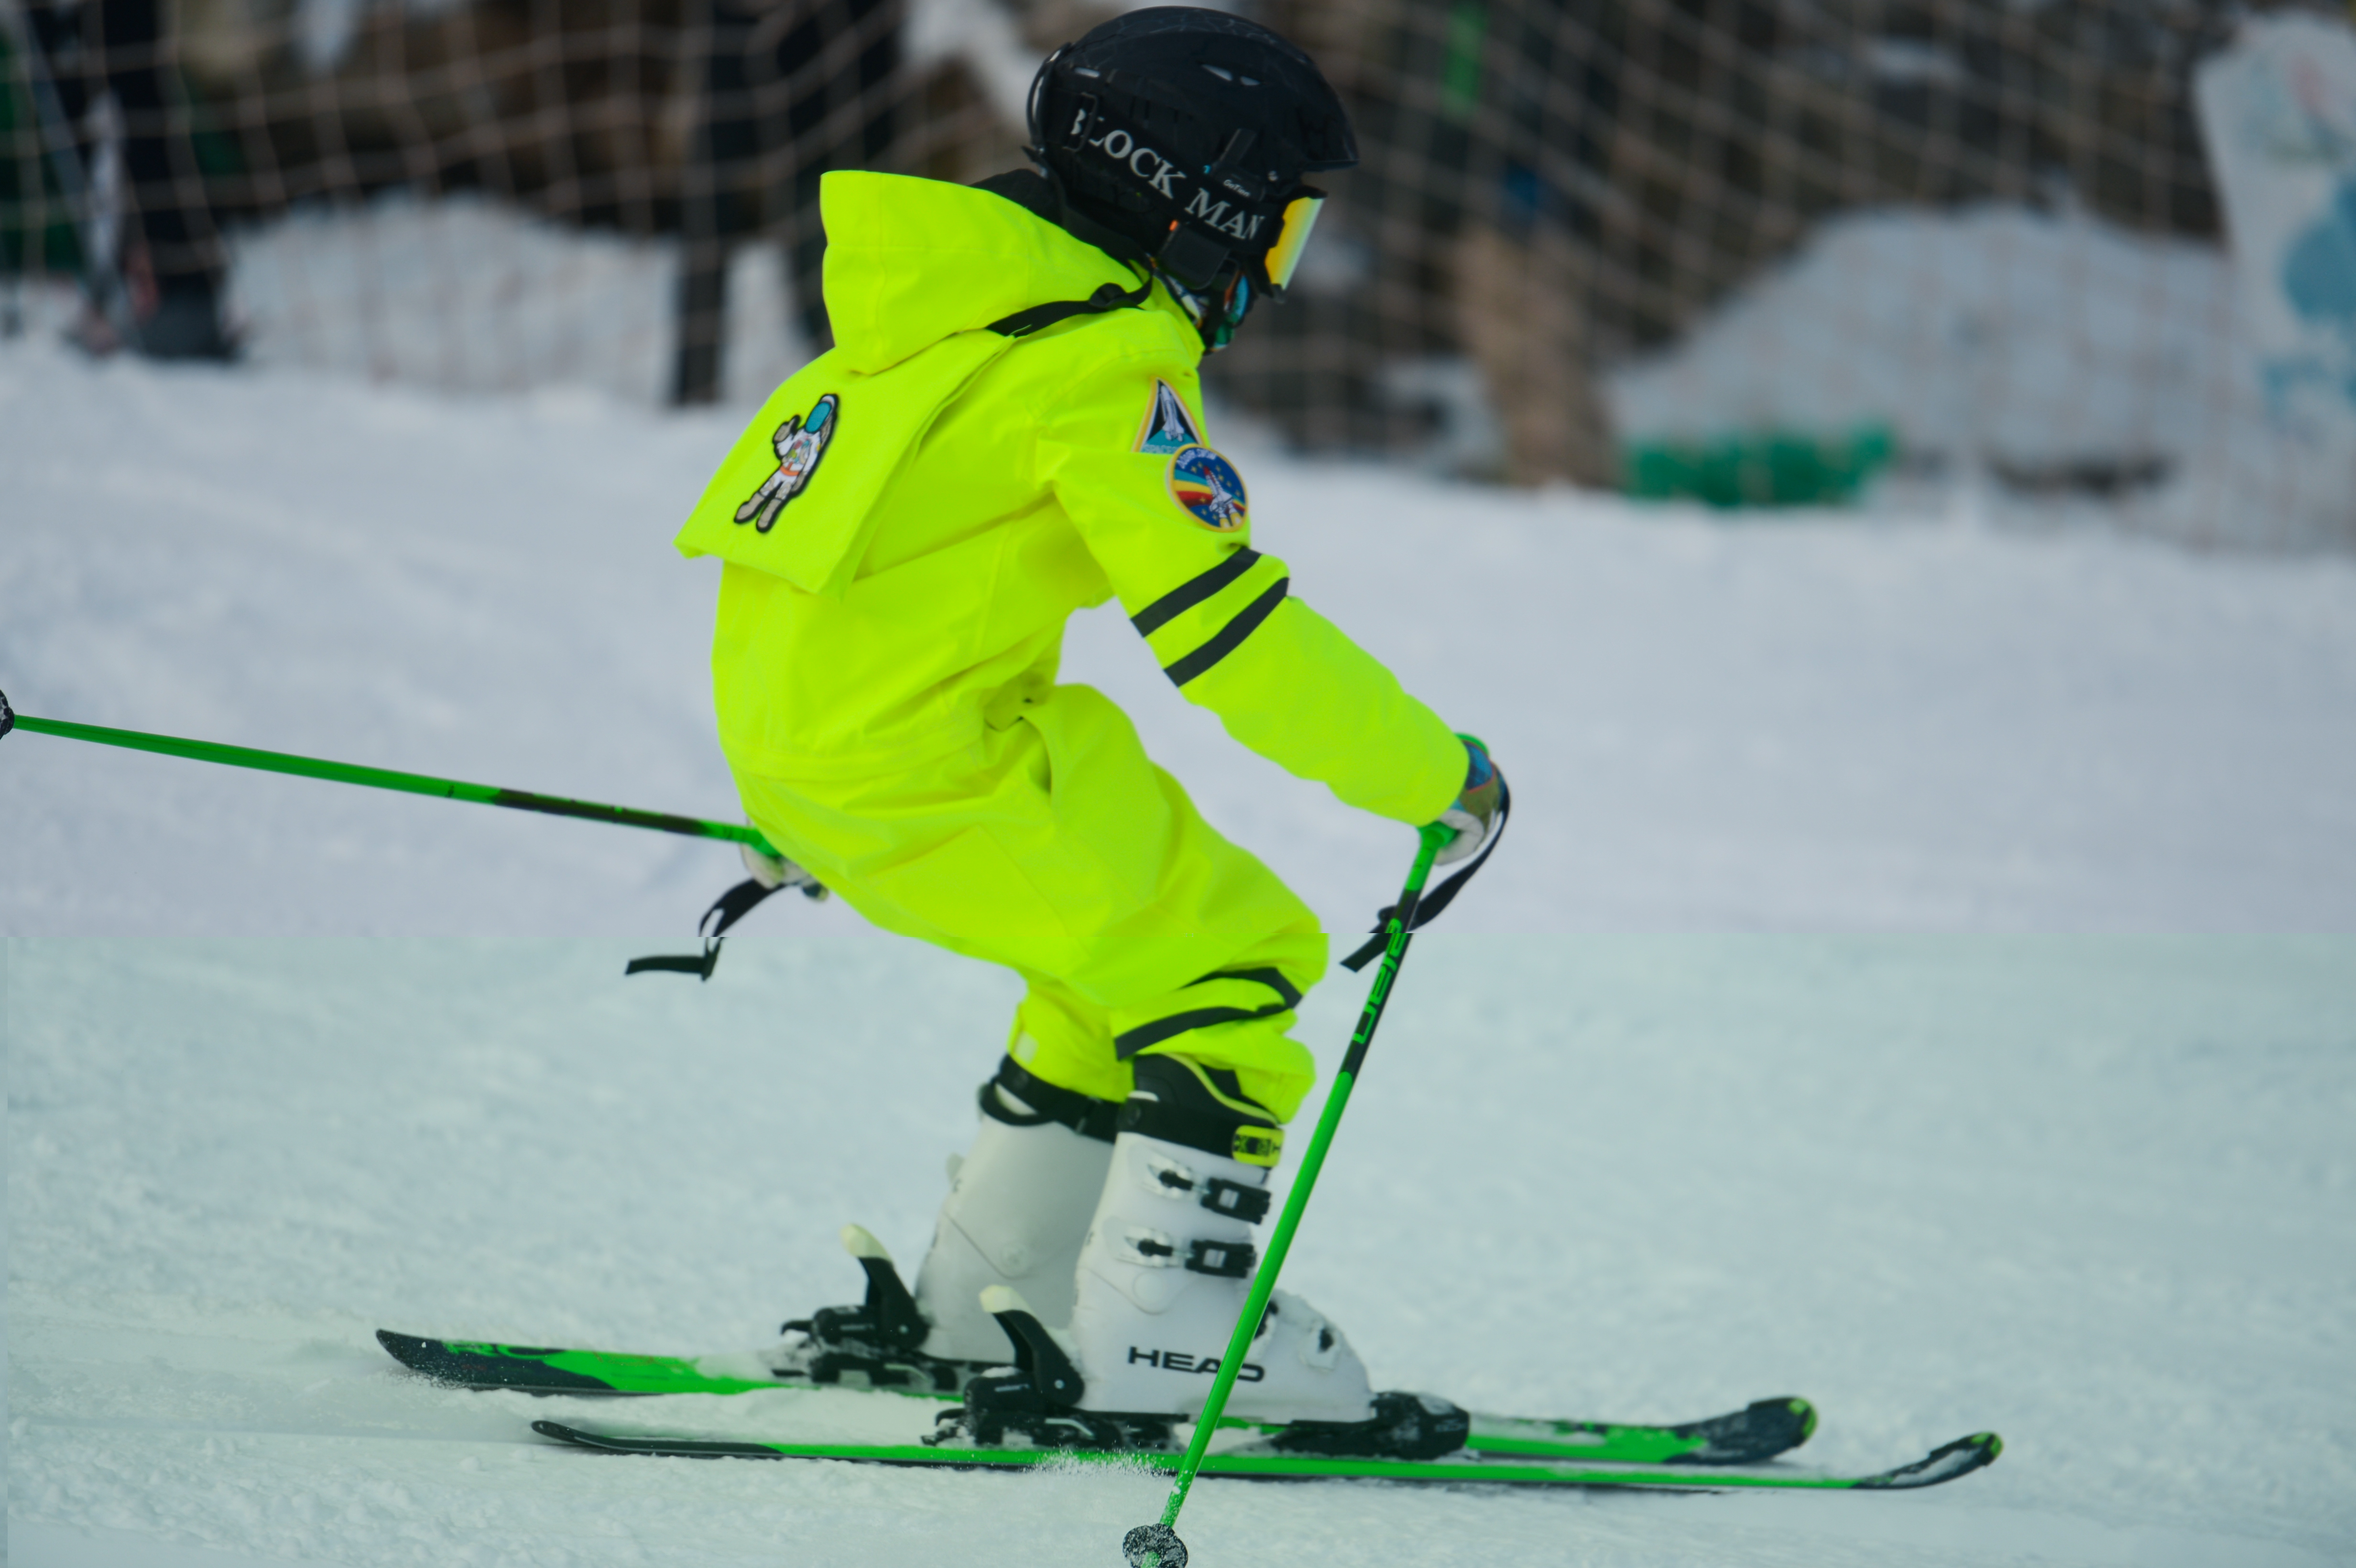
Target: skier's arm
{"x":1227,"y":629}
{"x":1296,"y":689}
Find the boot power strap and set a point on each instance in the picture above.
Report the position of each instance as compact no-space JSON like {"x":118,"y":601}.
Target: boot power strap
{"x":1084,"y":1115}
{"x":1247,"y":1143}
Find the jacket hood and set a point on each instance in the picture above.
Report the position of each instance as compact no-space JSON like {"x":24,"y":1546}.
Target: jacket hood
{"x":910,"y":261}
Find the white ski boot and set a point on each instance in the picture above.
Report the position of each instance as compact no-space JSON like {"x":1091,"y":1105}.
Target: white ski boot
{"x":1018,"y":1209}
{"x":1167,"y":1266}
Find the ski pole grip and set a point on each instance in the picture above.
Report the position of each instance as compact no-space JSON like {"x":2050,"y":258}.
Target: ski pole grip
{"x":1413,"y":910}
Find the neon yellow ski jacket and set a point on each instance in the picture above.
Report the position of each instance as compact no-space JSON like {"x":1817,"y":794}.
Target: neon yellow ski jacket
{"x":911,"y":518}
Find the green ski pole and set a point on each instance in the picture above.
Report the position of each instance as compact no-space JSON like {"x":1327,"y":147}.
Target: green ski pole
{"x":380,"y":778}
{"x":1157,"y":1545}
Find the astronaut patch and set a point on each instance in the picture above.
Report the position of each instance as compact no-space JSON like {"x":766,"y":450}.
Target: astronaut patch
{"x":1167,"y":427}
{"x":800,"y":443}
{"x":1208,"y":487}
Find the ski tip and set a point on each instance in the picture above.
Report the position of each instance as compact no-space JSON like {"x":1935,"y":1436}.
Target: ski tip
{"x":1943,"y":1463}
{"x":578,"y":1437}
{"x":574,"y":1438}
{"x":406,"y":1349}
{"x":669,"y":1447}
{"x":1758,"y":1431}
{"x":1788,"y":1414}
{"x":522,"y":1368}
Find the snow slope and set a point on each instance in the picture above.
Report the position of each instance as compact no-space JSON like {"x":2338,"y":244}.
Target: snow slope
{"x":2052,"y":1141}
{"x":2092,"y":1193}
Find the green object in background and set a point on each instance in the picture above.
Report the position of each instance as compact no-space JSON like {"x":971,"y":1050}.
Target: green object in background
{"x":1460,"y":69}
{"x":28,"y":185}
{"x":1774,"y":468}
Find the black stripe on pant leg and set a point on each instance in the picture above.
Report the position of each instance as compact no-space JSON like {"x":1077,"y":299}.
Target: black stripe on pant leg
{"x":1231,"y":636}
{"x":1272,"y":978}
{"x":1127,"y":1045}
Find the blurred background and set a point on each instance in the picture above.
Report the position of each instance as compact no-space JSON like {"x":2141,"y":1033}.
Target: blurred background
{"x":2075,"y":258}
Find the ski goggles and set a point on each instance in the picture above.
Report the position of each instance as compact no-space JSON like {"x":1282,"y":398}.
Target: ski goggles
{"x":1292,"y":237}
{"x":1216,"y":316}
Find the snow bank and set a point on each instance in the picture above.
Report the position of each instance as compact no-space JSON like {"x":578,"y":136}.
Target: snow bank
{"x":2049,"y":350}
{"x":463,"y":294}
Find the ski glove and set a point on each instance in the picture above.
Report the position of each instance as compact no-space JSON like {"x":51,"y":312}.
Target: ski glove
{"x":775,"y":871}
{"x":1474,"y":815}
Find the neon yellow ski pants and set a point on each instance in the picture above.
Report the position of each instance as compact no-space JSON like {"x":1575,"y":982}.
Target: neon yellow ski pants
{"x":1056,"y":847}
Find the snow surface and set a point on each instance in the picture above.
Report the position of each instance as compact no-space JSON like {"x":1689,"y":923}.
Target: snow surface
{"x":1968,"y":1084}
{"x":2092,"y":1193}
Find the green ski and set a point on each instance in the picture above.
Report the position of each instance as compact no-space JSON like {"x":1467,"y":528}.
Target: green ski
{"x":1759,"y":1431}
{"x":1945,"y":1464}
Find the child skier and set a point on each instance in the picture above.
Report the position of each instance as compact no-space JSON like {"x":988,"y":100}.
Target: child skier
{"x":1008,"y":430}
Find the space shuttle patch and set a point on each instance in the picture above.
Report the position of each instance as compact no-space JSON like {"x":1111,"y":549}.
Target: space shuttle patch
{"x":1207,"y":486}
{"x":1168,"y":427}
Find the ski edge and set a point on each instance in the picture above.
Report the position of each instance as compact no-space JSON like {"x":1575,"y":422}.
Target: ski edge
{"x":1946,"y":1463}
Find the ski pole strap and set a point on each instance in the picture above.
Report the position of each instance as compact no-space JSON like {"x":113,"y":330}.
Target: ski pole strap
{"x":1039,"y":317}
{"x":1421,"y":913}
{"x":697,"y":965}
{"x":726,"y":911}
{"x":731,"y":907}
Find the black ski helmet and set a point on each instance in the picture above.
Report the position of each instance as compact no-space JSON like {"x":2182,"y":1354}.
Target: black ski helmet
{"x":1187,"y":133}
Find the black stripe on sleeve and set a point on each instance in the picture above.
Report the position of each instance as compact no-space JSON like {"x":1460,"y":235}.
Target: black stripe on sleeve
{"x":1231,"y":636}
{"x":1192,"y":591}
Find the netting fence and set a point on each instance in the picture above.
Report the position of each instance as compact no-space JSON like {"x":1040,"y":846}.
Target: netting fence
{"x":1749,"y":250}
